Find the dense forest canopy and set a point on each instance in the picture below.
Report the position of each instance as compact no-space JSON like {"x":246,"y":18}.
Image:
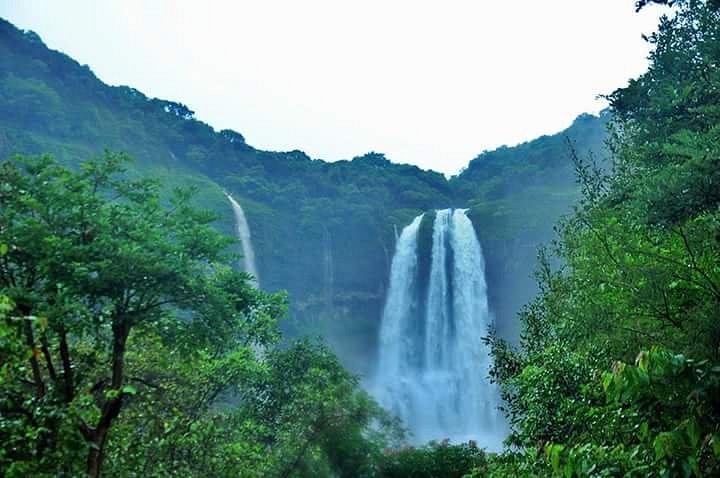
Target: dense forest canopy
{"x":130,"y":344}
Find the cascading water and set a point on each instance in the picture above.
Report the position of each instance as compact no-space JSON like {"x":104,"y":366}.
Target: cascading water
{"x":328,"y":269}
{"x":243,"y":231}
{"x":433,"y":364}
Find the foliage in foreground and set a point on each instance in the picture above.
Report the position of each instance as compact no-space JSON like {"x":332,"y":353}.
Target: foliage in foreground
{"x":130,"y":347}
{"x":433,"y":460}
{"x":618,"y":373}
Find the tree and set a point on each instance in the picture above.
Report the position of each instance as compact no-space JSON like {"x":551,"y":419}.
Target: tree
{"x":640,"y":4}
{"x":637,"y":276}
{"x":313,"y":418}
{"x":95,"y":263}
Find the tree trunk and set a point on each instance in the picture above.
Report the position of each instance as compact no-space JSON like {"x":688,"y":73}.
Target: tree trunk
{"x":68,"y":380}
{"x":25,"y":310}
{"x":111,"y":408}
{"x":96,"y":454}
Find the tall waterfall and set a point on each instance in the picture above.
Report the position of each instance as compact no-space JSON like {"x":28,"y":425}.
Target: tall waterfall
{"x":433,"y":366}
{"x":243,"y":231}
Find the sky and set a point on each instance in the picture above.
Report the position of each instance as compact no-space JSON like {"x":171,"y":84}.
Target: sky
{"x":431,"y":83}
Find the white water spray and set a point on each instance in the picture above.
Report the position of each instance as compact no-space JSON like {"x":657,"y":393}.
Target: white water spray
{"x":243,"y":231}
{"x":433,"y":366}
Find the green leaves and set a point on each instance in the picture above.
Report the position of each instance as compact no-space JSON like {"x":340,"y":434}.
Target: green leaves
{"x":115,"y":309}
{"x":435,"y":460}
{"x":129,"y":390}
{"x":666,"y":420}
{"x":552,"y":453}
{"x":663,"y":445}
{"x":640,"y":273}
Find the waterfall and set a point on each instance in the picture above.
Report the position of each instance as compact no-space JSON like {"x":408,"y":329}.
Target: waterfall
{"x":328,"y":269}
{"x":433,"y":365}
{"x":243,"y":232}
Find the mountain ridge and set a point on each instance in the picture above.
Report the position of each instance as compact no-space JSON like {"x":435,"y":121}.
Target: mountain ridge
{"x":304,"y":213}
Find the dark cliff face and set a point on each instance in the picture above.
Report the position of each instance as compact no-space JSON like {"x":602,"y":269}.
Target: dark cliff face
{"x":324,"y":232}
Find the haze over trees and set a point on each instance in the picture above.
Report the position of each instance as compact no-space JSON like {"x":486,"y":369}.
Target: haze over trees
{"x":130,"y":344}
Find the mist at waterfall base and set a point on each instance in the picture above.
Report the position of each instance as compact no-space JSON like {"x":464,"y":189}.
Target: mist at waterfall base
{"x":433,"y":367}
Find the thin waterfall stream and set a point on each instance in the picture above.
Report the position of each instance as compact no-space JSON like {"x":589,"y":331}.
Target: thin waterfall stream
{"x":243,"y":232}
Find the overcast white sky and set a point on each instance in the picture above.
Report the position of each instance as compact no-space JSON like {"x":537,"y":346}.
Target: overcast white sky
{"x":431,"y":83}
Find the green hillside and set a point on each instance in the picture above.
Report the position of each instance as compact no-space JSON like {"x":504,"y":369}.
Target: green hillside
{"x":322,"y":231}
{"x":516,"y":195}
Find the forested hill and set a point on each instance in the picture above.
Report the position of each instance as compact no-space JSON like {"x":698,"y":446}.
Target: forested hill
{"x":515,"y":195}
{"x":323,"y":231}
